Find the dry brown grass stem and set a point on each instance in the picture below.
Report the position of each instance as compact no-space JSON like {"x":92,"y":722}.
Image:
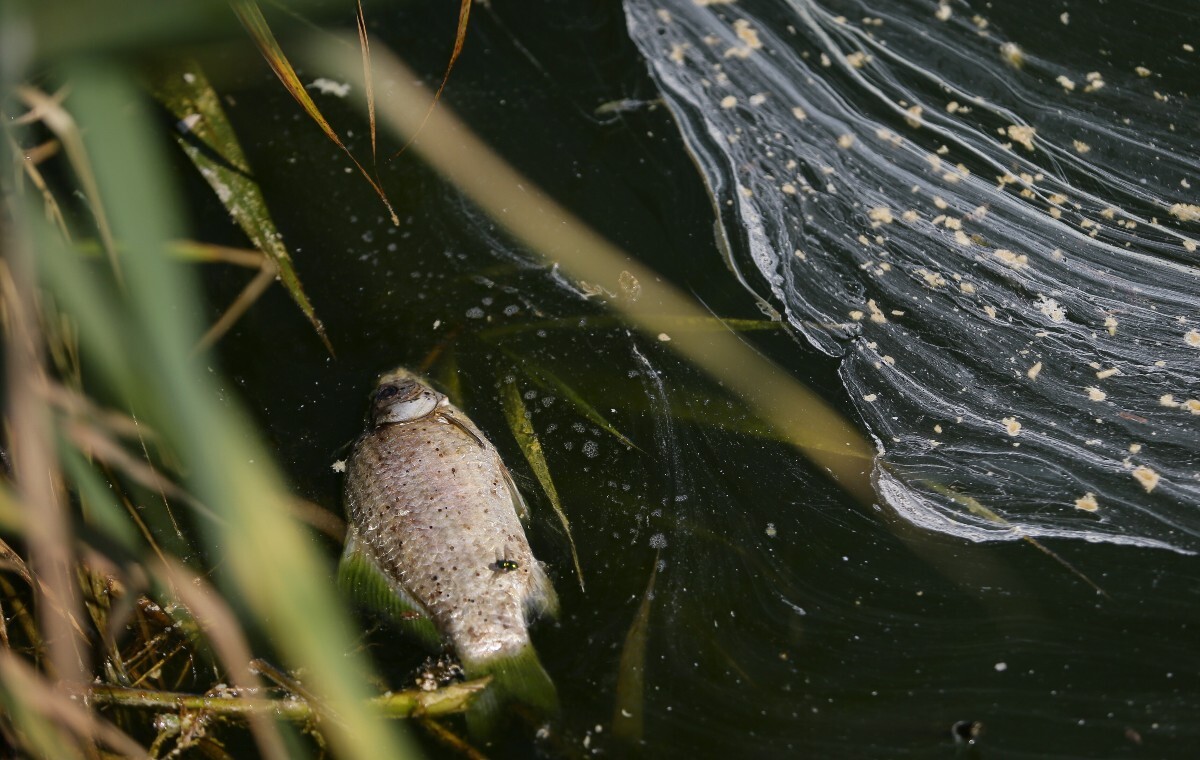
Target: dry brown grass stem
{"x":224,"y":632}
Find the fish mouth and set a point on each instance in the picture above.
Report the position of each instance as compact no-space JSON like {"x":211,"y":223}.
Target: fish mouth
{"x":399,"y":375}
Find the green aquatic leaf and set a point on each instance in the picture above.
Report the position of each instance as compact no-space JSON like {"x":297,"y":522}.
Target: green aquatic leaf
{"x":629,"y":713}
{"x":208,"y":139}
{"x":522,"y":429}
{"x":554,"y":383}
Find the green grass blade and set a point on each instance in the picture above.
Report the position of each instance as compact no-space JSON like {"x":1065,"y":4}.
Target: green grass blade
{"x":208,"y":139}
{"x":266,"y":561}
{"x":555,"y":384}
{"x":531,"y":447}
{"x":629,"y":714}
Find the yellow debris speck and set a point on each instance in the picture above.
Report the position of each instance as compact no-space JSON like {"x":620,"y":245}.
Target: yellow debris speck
{"x":758,"y":98}
{"x":1080,"y":146}
{"x":913,"y":116}
{"x":1022,"y":134}
{"x":1147,"y":477}
{"x":1168,"y":399}
{"x":966,"y":287}
{"x":799,"y":113}
{"x":932,"y":279}
{"x":1014,"y":260}
{"x":728,"y":101}
{"x":1111,"y":324}
{"x":339,"y":465}
{"x":1034,"y":371}
{"x":877,"y":315}
{"x":845,"y":141}
{"x":940,"y":202}
{"x":857,"y":315}
{"x":881,"y":214}
{"x":1135,"y":448}
{"x":961,"y":238}
{"x":1067,"y":83}
{"x":1095,"y":394}
{"x":1087,"y":502}
{"x":1192,"y":338}
{"x":1012,"y":54}
{"x":870,"y":397}
{"x":990,"y":311}
{"x":1189,"y":245}
{"x":858,"y":60}
{"x":1192,"y":405}
{"x":1142,"y":71}
{"x":1188,"y":212}
{"x":1011,"y":426}
{"x":1105,"y":373}
{"x":664,"y":337}
{"x":1065,"y":18}
{"x":943,"y":12}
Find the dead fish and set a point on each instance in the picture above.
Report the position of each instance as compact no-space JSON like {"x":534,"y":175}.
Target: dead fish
{"x":435,"y":540}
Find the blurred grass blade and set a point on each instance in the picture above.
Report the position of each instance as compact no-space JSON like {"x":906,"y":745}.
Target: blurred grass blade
{"x":96,"y":501}
{"x":256,"y":24}
{"x":554,"y":383}
{"x":539,"y":222}
{"x":531,"y":447}
{"x":208,"y":139}
{"x":629,"y":714}
{"x":267,"y":562}
{"x":53,"y":709}
{"x":63,"y":125}
{"x":460,"y":37}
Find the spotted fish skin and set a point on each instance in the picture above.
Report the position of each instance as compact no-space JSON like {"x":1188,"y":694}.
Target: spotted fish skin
{"x":433,"y":508}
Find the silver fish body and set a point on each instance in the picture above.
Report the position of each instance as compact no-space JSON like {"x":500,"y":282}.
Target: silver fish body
{"x":433,"y":509}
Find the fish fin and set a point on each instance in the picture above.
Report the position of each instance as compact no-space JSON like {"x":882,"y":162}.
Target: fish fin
{"x":361,"y":577}
{"x":517,"y":499}
{"x":542,"y":600}
{"x":517,"y":678}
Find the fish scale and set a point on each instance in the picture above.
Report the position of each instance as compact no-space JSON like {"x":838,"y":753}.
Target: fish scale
{"x":433,"y":510}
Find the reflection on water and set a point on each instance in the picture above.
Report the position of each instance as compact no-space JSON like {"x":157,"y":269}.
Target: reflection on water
{"x":997,"y":237}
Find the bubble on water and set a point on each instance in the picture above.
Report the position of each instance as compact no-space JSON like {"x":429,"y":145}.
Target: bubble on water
{"x":658,"y":541}
{"x":511,"y":309}
{"x":474,"y":313}
{"x":530,"y":395}
{"x":591,"y":449}
{"x":578,"y":427}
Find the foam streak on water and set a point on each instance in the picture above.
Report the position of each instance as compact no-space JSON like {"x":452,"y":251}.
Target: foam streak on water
{"x":997,"y":237}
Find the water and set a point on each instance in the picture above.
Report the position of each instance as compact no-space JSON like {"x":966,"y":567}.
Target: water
{"x":786,"y":618}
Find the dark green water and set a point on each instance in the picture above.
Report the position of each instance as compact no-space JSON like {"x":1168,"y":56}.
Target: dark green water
{"x":786,"y":619}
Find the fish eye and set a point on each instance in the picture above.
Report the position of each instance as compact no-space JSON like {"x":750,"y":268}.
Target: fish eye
{"x":386,"y":392}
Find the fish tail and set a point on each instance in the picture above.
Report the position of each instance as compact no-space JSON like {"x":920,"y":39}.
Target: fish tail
{"x":516,"y":678}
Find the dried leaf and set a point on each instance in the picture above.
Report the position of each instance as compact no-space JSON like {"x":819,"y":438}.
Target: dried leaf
{"x":252,"y":18}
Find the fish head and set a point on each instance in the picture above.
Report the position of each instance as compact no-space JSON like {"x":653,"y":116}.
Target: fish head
{"x":402,"y":397}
